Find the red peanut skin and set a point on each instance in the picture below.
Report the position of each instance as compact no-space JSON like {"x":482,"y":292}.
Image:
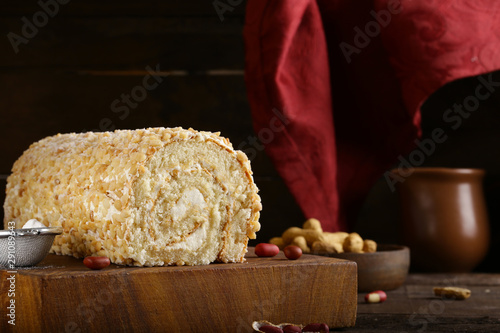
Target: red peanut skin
{"x":291,"y":329}
{"x":323,"y":328}
{"x":96,"y":262}
{"x":266,"y":250}
{"x":381,"y":293}
{"x":292,"y":252}
{"x":270,"y":329}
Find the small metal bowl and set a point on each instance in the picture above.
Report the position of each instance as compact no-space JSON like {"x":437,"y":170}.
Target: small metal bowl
{"x":26,"y":247}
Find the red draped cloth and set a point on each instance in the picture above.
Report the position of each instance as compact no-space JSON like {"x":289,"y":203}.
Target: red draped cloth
{"x":335,"y":86}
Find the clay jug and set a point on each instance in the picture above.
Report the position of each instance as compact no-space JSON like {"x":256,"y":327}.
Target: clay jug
{"x":444,"y":218}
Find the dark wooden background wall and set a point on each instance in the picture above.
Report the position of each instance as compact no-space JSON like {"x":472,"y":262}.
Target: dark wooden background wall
{"x":89,"y":54}
{"x":66,"y":77}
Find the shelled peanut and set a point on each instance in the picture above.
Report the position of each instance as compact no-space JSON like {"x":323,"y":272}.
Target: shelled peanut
{"x":312,"y":239}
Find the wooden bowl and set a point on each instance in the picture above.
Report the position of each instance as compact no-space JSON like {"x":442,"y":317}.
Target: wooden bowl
{"x":385,"y":269}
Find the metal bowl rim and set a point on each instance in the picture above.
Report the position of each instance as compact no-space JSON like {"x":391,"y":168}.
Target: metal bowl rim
{"x":31,"y":232}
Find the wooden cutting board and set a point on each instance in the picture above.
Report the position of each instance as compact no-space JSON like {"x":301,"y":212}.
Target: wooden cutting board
{"x":62,"y":295}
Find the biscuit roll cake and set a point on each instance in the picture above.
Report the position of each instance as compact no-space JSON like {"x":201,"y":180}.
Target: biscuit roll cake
{"x":148,"y":197}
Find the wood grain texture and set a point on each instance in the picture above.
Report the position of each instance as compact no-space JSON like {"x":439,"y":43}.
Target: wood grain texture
{"x":127,"y":42}
{"x":128,"y":8}
{"x":212,"y":298}
{"x":414,"y":308}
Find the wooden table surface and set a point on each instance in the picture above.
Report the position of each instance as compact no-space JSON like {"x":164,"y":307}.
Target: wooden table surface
{"x":414,"y":308}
